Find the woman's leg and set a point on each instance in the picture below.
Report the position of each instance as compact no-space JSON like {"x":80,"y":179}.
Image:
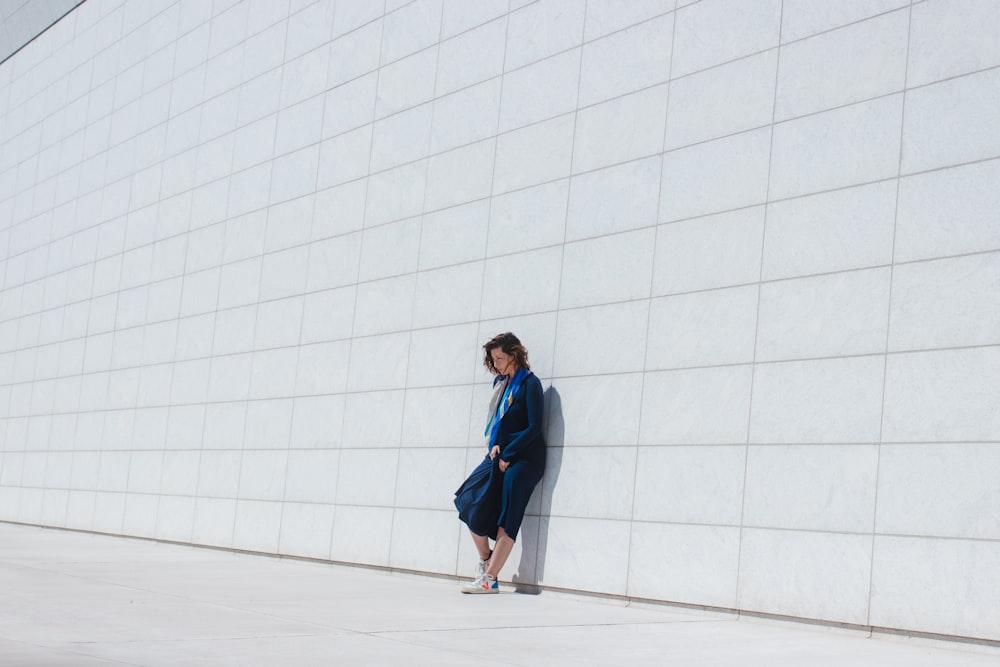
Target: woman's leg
{"x":504,"y":545}
{"x":482,"y":545}
{"x":518,"y":484}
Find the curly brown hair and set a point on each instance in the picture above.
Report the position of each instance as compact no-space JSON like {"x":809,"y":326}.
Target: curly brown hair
{"x":508,"y":344}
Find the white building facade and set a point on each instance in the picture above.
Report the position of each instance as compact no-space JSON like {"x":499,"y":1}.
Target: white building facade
{"x":250,"y":250}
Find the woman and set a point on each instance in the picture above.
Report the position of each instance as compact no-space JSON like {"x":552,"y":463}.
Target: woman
{"x":493,"y":499}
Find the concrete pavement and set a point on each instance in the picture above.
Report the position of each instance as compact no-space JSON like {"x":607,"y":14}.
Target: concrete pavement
{"x":78,"y":599}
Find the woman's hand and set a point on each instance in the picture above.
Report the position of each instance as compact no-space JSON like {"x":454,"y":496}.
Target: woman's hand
{"x":495,"y":452}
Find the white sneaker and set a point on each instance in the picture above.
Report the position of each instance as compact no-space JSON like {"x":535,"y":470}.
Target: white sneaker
{"x":481,"y":565}
{"x":484,"y":583}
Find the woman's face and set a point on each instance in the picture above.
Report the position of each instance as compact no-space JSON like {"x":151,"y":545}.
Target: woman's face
{"x":504,"y":363}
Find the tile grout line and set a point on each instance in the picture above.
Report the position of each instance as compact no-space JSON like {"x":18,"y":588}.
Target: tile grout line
{"x":774,"y":528}
{"x":211,"y":355}
{"x":34,"y":383}
{"x":302,"y":315}
{"x":357,"y":277}
{"x":256,"y":307}
{"x":413,"y":297}
{"x":888,"y":319}
{"x":649,"y":310}
{"x":163,"y":458}
{"x":585,"y":446}
{"x":83,"y":352}
{"x":100,"y":491}
{"x":562,"y":265}
{"x":756,"y":333}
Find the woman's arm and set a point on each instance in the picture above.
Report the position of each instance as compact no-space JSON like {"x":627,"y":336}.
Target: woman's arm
{"x":535,"y":402}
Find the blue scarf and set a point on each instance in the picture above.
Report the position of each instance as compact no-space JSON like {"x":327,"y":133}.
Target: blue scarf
{"x":493,"y":425}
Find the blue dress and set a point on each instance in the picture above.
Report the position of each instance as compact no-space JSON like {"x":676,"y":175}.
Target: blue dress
{"x":490,"y":499}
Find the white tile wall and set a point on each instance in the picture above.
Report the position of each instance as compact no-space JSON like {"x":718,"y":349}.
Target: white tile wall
{"x":306,"y":530}
{"x":580,"y":425}
{"x":642,"y":50}
{"x":249,"y":253}
{"x":471,"y":57}
{"x":718,"y":31}
{"x":950,"y":577}
{"x":714,"y":176}
{"x":427,"y":476}
{"x":465,"y":116}
{"x":592,"y":272}
{"x":361,"y":534}
{"x":543,"y":90}
{"x":951,"y":38}
{"x":570,"y":555}
{"x":937,"y":489}
{"x":713,"y":251}
{"x":724,"y":100}
{"x":948,"y":212}
{"x":802,"y":18}
{"x":845,"y":229}
{"x":601,"y":339}
{"x":672,"y":561}
{"x":429,"y":417}
{"x":689,"y":484}
{"x":857,"y":62}
{"x":830,"y":315}
{"x":942,"y":396}
{"x":969,"y":101}
{"x":590,"y":482}
{"x":702,"y":328}
{"x":946,"y":303}
{"x":847,"y":146}
{"x":533,"y":154}
{"x":818,"y":401}
{"x":611,"y":200}
{"x":527,"y":219}
{"x":458,"y":16}
{"x":425,"y":540}
{"x":811,"y":487}
{"x":563,"y":21}
{"x":696,"y":406}
{"x":806,"y":574}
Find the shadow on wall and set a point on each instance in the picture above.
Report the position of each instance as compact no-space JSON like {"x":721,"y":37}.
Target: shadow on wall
{"x":534,"y":545}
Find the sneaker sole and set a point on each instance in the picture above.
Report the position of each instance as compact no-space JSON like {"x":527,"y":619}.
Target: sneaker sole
{"x":480,"y":591}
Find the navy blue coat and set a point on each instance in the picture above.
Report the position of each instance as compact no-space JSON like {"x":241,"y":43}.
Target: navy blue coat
{"x":489,"y":499}
{"x":520,"y":434}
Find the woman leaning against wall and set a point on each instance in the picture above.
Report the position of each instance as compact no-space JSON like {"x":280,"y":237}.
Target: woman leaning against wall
{"x":493,"y":499}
